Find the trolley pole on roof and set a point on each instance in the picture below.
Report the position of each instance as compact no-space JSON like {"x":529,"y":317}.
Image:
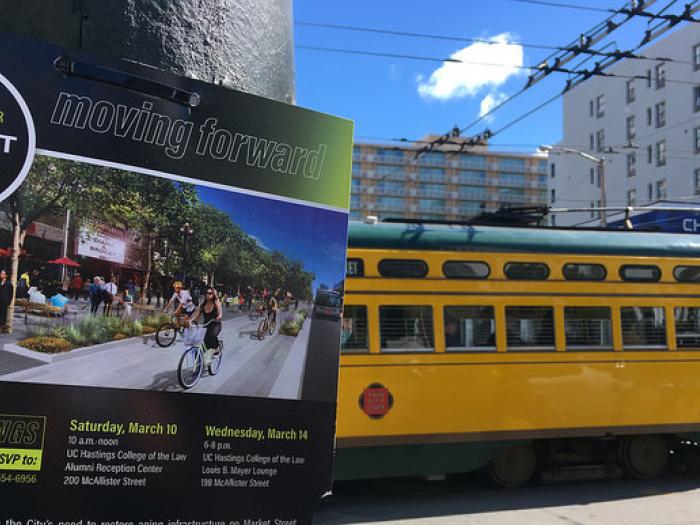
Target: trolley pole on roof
{"x":600,"y":163}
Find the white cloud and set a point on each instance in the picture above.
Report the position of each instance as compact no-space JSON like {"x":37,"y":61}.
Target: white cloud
{"x":454,"y":80}
{"x":489,"y":102}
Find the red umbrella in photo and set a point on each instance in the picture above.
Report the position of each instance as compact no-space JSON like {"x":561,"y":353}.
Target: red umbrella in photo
{"x":5,"y":252}
{"x":64,"y":261}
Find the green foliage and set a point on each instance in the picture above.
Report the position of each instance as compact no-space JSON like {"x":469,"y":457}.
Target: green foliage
{"x":46,"y":344}
{"x":291,"y":325}
{"x":92,"y":330}
{"x":154,"y":321}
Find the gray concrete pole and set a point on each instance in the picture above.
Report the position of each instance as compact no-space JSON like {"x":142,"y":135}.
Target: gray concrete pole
{"x":242,"y":44}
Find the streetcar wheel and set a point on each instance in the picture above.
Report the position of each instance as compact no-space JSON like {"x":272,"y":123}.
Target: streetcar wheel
{"x":644,"y":456}
{"x":190,"y":367}
{"x":216,"y":358}
{"x":166,"y":334}
{"x":513,"y":466}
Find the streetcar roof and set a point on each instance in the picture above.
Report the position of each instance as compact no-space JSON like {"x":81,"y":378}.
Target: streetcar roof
{"x":447,"y":237}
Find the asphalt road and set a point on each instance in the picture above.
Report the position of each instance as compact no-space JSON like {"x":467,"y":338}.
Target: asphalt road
{"x":673,"y":500}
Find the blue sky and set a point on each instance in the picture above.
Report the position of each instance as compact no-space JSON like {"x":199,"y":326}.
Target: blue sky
{"x":384,"y":95}
{"x":311,"y":235}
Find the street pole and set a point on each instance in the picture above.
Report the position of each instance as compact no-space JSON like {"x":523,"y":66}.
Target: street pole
{"x":241,"y":44}
{"x":603,"y":198}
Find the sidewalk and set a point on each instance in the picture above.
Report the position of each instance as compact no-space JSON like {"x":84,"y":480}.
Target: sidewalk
{"x":250,"y":367}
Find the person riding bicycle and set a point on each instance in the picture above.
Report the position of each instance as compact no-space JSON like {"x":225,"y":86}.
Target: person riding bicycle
{"x":182,"y":300}
{"x":271,"y":305}
{"x":211,"y":312}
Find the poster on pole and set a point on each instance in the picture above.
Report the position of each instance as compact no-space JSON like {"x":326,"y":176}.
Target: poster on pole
{"x":162,"y":241}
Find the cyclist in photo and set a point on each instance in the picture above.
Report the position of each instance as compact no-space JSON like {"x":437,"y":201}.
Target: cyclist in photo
{"x":210,"y":311}
{"x":182,"y":300}
{"x":271,"y":306}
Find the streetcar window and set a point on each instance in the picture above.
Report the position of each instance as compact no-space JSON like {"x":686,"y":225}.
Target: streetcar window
{"x":584,"y":272}
{"x":402,"y":268}
{"x":354,"y":268}
{"x":687,"y":274}
{"x":530,"y":271}
{"x":353,"y":332}
{"x":643,"y":327}
{"x":470,"y":328}
{"x":588,"y":327}
{"x":640,"y":273}
{"x":530,"y":328}
{"x":406,"y":328}
{"x":466,"y":270}
{"x":687,"y":326}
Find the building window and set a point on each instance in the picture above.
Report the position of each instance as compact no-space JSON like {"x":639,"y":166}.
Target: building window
{"x":406,"y":328}
{"x":648,"y":116}
{"x":650,"y":191}
{"x":590,"y":108}
{"x":661,"y":189}
{"x":600,"y":106}
{"x":588,"y":328}
{"x":696,"y":56}
{"x":696,"y":98}
{"x":660,"y":114}
{"x":630,"y":91}
{"x":696,"y":139}
{"x":592,"y":176}
{"x":353,"y":335}
{"x":600,"y":139}
{"x":631,"y":164}
{"x":530,"y":327}
{"x":697,"y":181}
{"x":650,"y":154}
{"x":648,"y":78}
{"x":553,"y":195}
{"x":631,"y":128}
{"x":591,"y":142}
{"x":661,"y":153}
{"x":660,"y":75}
{"x":643,"y":326}
{"x":470,"y":328}
{"x":552,"y":170}
{"x":631,"y":197}
{"x":599,"y":177}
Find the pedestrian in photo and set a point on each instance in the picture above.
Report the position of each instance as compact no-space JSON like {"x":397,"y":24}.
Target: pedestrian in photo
{"x":59,"y":300}
{"x":109,"y":292}
{"x":127,"y":301}
{"x":95,"y":295}
{"x":5,"y":298}
{"x":23,"y":286}
{"x":36,"y":295}
{"x":76,"y":286}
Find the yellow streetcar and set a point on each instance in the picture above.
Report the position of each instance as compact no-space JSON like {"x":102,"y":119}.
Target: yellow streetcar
{"x":516,"y":349}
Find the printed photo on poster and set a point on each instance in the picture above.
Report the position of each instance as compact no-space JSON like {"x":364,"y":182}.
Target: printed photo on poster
{"x":134,"y":281}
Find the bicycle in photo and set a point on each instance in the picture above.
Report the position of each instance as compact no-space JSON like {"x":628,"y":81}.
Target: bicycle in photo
{"x":197,"y":357}
{"x":266,"y":326}
{"x":167,"y":332}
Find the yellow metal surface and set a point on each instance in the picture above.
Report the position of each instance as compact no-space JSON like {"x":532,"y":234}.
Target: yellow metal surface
{"x":446,"y":396}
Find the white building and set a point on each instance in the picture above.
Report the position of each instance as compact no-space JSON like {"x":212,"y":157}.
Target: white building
{"x":646,"y":129}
